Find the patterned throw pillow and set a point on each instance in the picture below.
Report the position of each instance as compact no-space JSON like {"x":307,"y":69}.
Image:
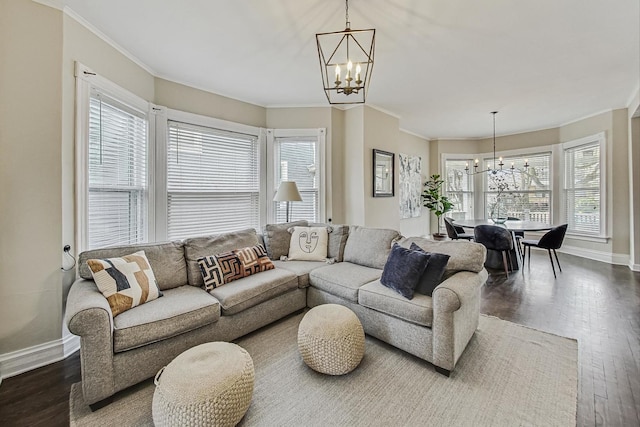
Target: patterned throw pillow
{"x":125,"y":282}
{"x":226,"y":267}
{"x":308,"y":244}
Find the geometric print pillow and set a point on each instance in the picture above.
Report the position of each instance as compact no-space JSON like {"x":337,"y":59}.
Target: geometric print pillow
{"x":126,"y":282}
{"x":226,"y":267}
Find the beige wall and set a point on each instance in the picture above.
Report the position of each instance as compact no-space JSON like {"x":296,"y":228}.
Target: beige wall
{"x":354,"y":178}
{"x":634,"y":192}
{"x":196,"y":101}
{"x":30,"y":174}
{"x":366,"y":129}
{"x":337,"y":166}
{"x":381,"y":131}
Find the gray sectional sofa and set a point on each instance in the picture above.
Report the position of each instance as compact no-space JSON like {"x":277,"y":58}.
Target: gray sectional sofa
{"x":117,"y":352}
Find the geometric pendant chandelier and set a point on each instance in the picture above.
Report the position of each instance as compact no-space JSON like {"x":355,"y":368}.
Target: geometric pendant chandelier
{"x":346,"y":62}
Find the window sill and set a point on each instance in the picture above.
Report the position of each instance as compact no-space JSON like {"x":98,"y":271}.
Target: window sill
{"x":595,"y":239}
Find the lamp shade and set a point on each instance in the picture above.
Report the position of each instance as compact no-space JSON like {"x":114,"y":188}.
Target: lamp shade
{"x":287,"y":192}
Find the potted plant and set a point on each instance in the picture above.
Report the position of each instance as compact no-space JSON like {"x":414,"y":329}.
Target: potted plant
{"x":437,"y":203}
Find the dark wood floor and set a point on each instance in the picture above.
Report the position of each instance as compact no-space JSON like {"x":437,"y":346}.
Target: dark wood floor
{"x":597,"y":303}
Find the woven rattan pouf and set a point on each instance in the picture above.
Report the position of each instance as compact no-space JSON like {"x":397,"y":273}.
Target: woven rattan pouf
{"x":331,"y":339}
{"x":207,"y":385}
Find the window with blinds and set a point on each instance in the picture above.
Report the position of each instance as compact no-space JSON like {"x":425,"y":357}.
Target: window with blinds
{"x":117,"y":173}
{"x":459,"y":188}
{"x":212,"y":181}
{"x":523,"y":193}
{"x":297,"y":160}
{"x":582,"y":189}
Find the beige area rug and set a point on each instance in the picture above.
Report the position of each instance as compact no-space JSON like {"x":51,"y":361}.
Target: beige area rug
{"x":509,"y":375}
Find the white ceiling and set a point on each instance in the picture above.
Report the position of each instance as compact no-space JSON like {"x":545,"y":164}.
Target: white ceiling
{"x":441,"y":66}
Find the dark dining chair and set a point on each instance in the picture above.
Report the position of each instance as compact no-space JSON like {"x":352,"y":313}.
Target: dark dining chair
{"x":551,"y":241}
{"x":497,"y":239}
{"x":455,"y":232}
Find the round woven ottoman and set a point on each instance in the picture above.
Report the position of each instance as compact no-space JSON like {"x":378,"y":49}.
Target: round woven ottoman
{"x":331,"y":339}
{"x":207,"y":385}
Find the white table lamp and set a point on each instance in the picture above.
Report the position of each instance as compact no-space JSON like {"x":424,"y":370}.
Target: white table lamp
{"x":287,"y":192}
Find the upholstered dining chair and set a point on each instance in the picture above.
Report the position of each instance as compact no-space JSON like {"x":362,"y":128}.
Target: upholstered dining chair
{"x":455,"y":232}
{"x":497,"y":239}
{"x":551,"y":241}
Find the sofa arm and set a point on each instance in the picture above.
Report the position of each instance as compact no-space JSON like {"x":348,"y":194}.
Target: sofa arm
{"x":456,"y":312}
{"x":88,"y":315}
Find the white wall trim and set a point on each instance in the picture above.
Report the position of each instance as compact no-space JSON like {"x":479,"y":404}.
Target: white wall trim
{"x":408,"y":132}
{"x":608,"y":257}
{"x":55,"y":4}
{"x":634,"y":267}
{"x":27,"y":359}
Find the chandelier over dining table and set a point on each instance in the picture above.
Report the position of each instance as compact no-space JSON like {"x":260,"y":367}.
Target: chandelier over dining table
{"x":346,"y":62}
{"x":500,"y":164}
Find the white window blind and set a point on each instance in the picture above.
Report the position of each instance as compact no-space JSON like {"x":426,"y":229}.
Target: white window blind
{"x":212,"y":181}
{"x":117,"y":173}
{"x":297,"y":160}
{"x":459,"y":188}
{"x":524,"y":193}
{"x":582,"y":188}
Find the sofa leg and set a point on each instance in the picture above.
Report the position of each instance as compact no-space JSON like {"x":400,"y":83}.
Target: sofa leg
{"x":442,"y":371}
{"x":101,"y":404}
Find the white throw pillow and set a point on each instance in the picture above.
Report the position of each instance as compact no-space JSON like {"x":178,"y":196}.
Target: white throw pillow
{"x":308,"y":244}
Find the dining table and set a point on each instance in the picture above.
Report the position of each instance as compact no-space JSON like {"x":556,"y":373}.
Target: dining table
{"x":494,"y":258}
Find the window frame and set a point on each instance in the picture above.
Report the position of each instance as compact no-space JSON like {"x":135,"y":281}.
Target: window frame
{"x":520,"y":153}
{"x":273,"y":168}
{"x":86,"y":82}
{"x":162,"y":138}
{"x":601,"y":140}
{"x":472,"y":181}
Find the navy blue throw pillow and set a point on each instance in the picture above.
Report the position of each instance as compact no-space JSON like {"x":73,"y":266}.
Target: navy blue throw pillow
{"x":432,"y":275}
{"x":403,"y":270}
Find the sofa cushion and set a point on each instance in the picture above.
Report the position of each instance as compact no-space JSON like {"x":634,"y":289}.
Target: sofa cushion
{"x":434,"y":271}
{"x":369,"y":247}
{"x":198,"y":247}
{"x":337,"y":239}
{"x":253,"y":290}
{"x":404,"y":269}
{"x":378,"y":297}
{"x":300,"y":269}
{"x":343,"y":279}
{"x":166,"y":260}
{"x":226,"y":267}
{"x":125,"y":282}
{"x":308,"y":243}
{"x":180,"y":310}
{"x":277,"y":238}
{"x":464,"y":255}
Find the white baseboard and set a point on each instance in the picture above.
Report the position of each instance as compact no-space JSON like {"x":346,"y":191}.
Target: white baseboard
{"x":634,"y":267}
{"x":27,"y":359}
{"x":608,"y":257}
